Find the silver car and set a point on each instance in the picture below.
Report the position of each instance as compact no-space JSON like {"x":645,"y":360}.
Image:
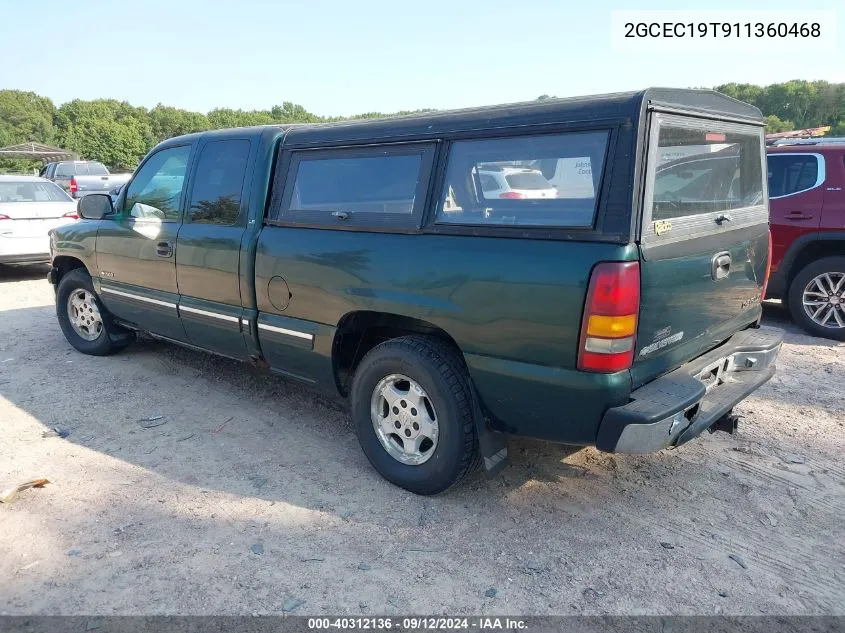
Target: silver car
{"x":29,"y":208}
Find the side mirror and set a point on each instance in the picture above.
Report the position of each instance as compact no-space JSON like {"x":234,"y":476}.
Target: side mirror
{"x":95,"y":206}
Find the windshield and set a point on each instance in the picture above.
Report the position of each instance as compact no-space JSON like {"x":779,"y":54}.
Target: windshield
{"x":97,"y":169}
{"x":24,"y":191}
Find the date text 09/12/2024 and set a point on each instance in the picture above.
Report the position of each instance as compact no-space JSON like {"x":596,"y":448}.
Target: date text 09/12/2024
{"x":418,"y":623}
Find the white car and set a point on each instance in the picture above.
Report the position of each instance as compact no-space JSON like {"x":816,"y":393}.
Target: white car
{"x":514,"y":183}
{"x":29,"y":208}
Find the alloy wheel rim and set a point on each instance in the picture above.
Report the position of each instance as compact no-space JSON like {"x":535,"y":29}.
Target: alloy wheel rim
{"x":84,"y":314}
{"x":404,"y":419}
{"x":824,"y":300}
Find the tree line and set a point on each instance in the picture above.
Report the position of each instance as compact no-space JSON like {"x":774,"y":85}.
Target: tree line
{"x":119,"y":134}
{"x":795,"y":105}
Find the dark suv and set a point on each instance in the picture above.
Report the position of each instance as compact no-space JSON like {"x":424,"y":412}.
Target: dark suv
{"x":807,"y":203}
{"x":617,"y":308}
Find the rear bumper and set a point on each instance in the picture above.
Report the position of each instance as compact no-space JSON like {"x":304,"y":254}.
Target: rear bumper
{"x":19,"y":250}
{"x":25,"y":258}
{"x":678,"y":406}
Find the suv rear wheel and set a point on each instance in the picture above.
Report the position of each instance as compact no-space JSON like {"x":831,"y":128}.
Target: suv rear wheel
{"x":414,"y":413}
{"x":84,"y":320}
{"x":817,"y":298}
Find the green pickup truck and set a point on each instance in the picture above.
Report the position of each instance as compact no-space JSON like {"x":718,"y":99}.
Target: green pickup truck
{"x":584,"y":270}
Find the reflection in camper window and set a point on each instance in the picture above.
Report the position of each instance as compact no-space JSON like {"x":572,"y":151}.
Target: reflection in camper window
{"x":548,"y":180}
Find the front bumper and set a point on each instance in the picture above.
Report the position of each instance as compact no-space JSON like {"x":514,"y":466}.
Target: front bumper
{"x":678,"y":406}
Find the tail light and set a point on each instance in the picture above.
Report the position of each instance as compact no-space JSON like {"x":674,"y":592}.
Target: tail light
{"x":71,"y":214}
{"x":609,"y":326}
{"x":73,"y":186}
{"x":512,"y":195}
{"x":768,"y":269}
{"x":4,"y":217}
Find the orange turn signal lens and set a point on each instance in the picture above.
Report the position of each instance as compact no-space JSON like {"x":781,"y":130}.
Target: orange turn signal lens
{"x":612,"y":326}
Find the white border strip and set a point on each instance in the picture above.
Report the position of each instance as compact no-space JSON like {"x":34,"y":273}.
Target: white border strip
{"x":214,"y":315}
{"x":282,"y":330}
{"x":129,"y":295}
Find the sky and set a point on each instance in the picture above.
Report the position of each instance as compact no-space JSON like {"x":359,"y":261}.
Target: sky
{"x":337,"y":57}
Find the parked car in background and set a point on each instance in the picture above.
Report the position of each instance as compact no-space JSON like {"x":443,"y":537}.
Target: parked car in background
{"x":366,"y":258}
{"x":513,"y":182}
{"x":81,"y":177}
{"x":114,"y":192}
{"x":807,"y":206}
{"x":29,"y":208}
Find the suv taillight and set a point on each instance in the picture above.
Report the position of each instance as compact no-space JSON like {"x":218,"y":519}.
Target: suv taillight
{"x":512,"y":195}
{"x":73,"y":186}
{"x":4,"y":217}
{"x":609,"y":326}
{"x":71,"y":214}
{"x":768,"y":269}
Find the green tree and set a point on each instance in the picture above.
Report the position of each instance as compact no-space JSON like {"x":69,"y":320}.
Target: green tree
{"x":167,"y":122}
{"x":227,"y":117}
{"x":24,"y":116}
{"x":110,"y":131}
{"x":774,"y":124}
{"x":290,"y":112}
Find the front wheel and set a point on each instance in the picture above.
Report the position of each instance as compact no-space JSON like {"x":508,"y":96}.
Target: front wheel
{"x":414,"y":413}
{"x":84,"y":320}
{"x":817,"y":298}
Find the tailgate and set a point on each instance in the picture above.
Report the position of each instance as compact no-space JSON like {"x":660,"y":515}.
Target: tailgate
{"x":92,"y":184}
{"x":705,"y":239}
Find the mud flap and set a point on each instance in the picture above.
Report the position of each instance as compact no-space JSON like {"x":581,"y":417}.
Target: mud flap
{"x":493,"y":447}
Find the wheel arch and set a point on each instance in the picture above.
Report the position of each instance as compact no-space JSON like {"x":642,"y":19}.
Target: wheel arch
{"x":808,"y":249}
{"x":359,"y":331}
{"x":63,"y":264}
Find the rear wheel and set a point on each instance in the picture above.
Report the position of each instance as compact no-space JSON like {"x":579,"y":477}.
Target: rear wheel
{"x":84,"y":320}
{"x":817,"y":298}
{"x":412,"y":405}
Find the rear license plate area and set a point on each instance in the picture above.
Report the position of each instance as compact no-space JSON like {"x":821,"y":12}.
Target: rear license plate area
{"x":714,"y":374}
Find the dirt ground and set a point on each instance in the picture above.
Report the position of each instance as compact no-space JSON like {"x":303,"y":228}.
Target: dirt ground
{"x":250,"y":495}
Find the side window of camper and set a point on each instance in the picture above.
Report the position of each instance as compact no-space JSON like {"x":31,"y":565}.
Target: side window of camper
{"x":544,"y":180}
{"x":380,"y":186}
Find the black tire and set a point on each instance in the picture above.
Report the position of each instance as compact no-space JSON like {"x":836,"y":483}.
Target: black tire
{"x":440,"y":371}
{"x":835,"y":264}
{"x":112,"y":338}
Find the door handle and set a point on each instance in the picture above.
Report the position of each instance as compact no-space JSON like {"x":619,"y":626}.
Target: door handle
{"x":720,"y":265}
{"x":164,"y":249}
{"x":799,"y":215}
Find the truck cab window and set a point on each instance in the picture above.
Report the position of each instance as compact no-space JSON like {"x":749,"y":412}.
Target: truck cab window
{"x":156,"y":189}
{"x":216,"y":194}
{"x":64,"y":170}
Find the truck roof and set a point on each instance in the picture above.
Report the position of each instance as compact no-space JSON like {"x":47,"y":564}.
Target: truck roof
{"x":587,"y":109}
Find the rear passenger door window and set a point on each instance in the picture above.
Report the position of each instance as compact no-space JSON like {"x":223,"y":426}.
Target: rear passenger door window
{"x":373,"y":187}
{"x":793,"y":173}
{"x":549,"y":180}
{"x":218,"y":183}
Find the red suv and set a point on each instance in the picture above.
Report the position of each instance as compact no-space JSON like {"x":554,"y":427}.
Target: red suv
{"x":807,"y":206}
